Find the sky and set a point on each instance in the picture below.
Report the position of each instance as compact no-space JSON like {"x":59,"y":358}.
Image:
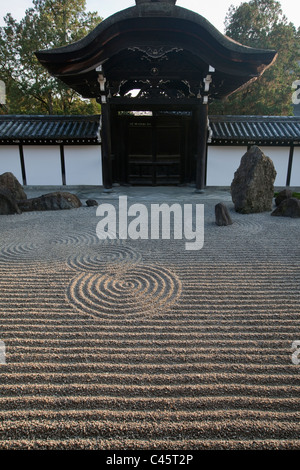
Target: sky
{"x":213,"y":10}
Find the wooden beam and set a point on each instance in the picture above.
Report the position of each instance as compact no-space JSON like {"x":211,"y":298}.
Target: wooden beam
{"x":105,"y":130}
{"x":202,"y":129}
{"x":62,"y":164}
{"x":106,"y":146}
{"x":290,"y":164}
{"x":22,"y":163}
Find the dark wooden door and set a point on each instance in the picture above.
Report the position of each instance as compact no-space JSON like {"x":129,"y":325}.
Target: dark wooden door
{"x":155,"y":152}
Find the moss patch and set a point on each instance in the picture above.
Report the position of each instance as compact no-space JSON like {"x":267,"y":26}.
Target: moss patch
{"x":296,"y":195}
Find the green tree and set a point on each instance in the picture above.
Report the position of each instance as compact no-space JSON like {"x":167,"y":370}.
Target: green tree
{"x":262,"y":24}
{"x":30,"y":88}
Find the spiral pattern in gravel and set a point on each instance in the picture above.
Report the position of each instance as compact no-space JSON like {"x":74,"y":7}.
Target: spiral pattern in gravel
{"x":76,"y":239}
{"x":137,"y":291}
{"x":114,"y":258}
{"x":13,"y":252}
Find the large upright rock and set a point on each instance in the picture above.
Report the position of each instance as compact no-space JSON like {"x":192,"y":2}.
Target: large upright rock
{"x":9,"y":182}
{"x":252,"y":188}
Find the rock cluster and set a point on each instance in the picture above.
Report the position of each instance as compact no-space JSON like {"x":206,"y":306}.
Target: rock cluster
{"x":287,"y":205}
{"x":13,"y":199}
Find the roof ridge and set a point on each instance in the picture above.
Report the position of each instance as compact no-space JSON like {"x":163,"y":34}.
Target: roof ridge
{"x":50,"y":117}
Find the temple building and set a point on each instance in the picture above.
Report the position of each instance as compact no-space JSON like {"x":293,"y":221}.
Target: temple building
{"x":155,"y":67}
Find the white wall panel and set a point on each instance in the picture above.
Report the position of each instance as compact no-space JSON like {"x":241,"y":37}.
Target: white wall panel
{"x":83,"y":165}
{"x":280,"y":158}
{"x":10,"y":161}
{"x":222,"y":162}
{"x":42,"y":165}
{"x":295,"y":174}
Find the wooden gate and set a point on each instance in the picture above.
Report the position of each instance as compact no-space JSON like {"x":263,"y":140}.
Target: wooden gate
{"x":155,"y":150}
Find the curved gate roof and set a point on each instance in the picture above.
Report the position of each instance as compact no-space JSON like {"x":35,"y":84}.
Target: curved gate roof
{"x":156,"y":41}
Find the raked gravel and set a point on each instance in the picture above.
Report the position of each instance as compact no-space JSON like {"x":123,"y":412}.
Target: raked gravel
{"x":141,"y":344}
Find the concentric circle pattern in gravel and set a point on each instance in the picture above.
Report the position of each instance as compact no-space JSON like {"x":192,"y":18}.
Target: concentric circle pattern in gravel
{"x":140,"y":344}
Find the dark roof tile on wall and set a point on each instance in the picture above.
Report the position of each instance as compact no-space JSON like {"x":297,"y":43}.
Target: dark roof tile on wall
{"x":44,"y":129}
{"x":226,"y":130}
{"x":258,"y":129}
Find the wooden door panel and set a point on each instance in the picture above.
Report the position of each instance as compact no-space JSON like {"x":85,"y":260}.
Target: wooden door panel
{"x":154,"y":153}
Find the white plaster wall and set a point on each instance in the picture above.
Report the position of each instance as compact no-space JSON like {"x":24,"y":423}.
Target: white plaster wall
{"x":222,"y":162}
{"x":280,"y":158}
{"x":10,"y":161}
{"x":295,"y":174}
{"x":83,"y":165}
{"x":42,"y":165}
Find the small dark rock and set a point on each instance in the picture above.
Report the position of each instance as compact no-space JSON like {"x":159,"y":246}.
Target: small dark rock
{"x":222,"y":215}
{"x":91,"y":202}
{"x":288,"y":208}
{"x":285,"y":194}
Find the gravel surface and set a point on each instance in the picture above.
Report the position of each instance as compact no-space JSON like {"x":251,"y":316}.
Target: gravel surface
{"x":141,"y":344}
